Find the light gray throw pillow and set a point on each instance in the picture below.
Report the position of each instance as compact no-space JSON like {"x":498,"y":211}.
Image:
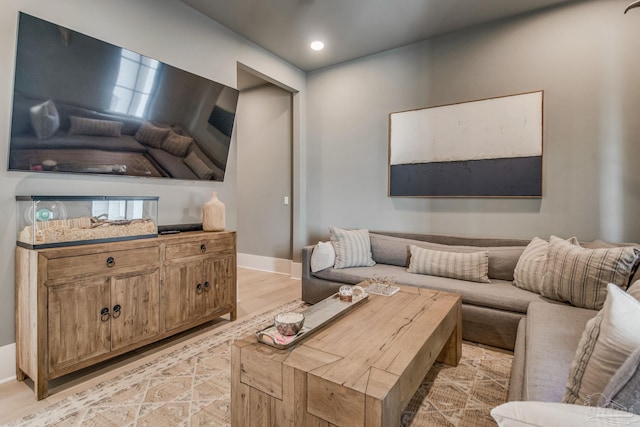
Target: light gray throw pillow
{"x":353,"y":247}
{"x":45,"y":119}
{"x":530,"y":269}
{"x":198,"y":167}
{"x":178,"y":145}
{"x":151,"y":135}
{"x":94,"y":127}
{"x":472,"y":266}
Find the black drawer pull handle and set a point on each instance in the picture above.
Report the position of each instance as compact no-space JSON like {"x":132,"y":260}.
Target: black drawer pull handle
{"x":207,"y":286}
{"x":111,"y":262}
{"x":199,"y":288}
{"x":117,"y":311}
{"x":104,"y":314}
{"x":203,"y":248}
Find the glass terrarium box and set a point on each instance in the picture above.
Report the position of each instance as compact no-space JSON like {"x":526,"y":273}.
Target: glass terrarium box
{"x":52,"y":221}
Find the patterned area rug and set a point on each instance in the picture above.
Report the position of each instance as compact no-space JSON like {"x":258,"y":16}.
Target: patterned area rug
{"x":190,"y":386}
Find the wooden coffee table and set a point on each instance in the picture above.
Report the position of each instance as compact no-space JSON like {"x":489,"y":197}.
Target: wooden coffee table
{"x":360,"y":370}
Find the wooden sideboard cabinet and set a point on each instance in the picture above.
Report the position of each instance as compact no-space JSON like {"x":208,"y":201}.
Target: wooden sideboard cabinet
{"x":79,"y":305}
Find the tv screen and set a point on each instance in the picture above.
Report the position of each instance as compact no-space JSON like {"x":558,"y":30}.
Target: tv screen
{"x":81,"y":105}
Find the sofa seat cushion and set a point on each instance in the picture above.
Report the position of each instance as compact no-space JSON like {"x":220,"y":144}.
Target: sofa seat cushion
{"x":500,"y":294}
{"x":553,"y":331}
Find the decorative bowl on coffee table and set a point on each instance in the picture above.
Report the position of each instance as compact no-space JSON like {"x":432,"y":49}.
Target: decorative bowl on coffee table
{"x":289,"y":323}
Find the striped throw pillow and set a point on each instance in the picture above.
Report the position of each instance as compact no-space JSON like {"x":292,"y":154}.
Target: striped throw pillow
{"x":151,"y":135}
{"x":178,"y":145}
{"x":471,"y":266}
{"x":529,"y":271}
{"x":94,"y":127}
{"x":198,"y":167}
{"x":580,"y":276}
{"x":353,"y":248}
{"x":606,"y":343}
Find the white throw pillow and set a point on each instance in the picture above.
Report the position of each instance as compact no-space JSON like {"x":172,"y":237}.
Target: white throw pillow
{"x":323,"y":256}
{"x":606,"y":343}
{"x":45,"y":119}
{"x":552,"y":414}
{"x":353,"y":248}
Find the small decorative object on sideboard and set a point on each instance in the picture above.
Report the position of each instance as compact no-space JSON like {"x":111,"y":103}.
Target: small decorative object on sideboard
{"x":52,"y":221}
{"x":213,"y":218}
{"x":381,"y":285}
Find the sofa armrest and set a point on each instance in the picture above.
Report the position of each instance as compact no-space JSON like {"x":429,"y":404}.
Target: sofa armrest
{"x":306,"y":253}
{"x":516,"y":383}
{"x":314,"y":289}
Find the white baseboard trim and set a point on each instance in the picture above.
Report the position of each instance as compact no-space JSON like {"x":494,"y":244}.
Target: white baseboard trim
{"x":273,"y":265}
{"x":7,"y":363}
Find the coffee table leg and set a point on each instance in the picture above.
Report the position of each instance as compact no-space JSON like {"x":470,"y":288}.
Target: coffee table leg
{"x":452,"y":350}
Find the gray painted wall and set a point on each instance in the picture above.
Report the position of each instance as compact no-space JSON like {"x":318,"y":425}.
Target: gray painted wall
{"x":584,"y":56}
{"x":264,"y":171}
{"x":166,"y":30}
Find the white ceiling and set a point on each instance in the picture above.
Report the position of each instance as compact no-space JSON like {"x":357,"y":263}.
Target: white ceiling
{"x":352,"y":28}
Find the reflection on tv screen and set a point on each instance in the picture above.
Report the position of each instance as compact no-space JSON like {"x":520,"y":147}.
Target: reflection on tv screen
{"x":82,"y":105}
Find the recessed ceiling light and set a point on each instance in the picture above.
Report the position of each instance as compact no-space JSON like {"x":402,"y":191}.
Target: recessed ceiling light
{"x":317,"y":45}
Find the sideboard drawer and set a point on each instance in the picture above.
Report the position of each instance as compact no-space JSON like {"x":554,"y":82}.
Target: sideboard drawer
{"x":107,"y":262}
{"x":218,"y":245}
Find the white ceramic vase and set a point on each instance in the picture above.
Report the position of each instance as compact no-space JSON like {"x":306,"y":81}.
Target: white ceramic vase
{"x":213,"y":214}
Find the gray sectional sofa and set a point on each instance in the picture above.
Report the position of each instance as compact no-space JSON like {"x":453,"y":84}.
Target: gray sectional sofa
{"x":543,"y":333}
{"x":490,"y":311}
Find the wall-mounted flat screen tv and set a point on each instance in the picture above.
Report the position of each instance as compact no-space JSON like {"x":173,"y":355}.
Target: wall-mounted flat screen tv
{"x":81,"y":105}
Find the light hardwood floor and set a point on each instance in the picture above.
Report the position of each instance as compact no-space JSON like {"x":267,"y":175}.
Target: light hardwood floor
{"x":258,"y":291}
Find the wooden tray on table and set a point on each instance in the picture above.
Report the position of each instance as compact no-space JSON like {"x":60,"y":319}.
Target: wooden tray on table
{"x":315,"y":317}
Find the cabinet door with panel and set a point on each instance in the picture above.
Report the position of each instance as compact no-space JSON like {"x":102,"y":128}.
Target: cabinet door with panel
{"x":219,"y":276}
{"x":91,"y":317}
{"x":77,"y":330}
{"x":135,"y":308}
{"x":183,"y":289}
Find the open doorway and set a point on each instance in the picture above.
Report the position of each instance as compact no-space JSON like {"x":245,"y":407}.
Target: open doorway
{"x":264,"y":123}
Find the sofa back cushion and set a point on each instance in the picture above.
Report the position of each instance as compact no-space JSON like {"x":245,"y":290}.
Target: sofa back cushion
{"x":394,"y":250}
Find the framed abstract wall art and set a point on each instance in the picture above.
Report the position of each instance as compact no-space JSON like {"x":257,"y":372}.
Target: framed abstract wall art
{"x":485,"y":148}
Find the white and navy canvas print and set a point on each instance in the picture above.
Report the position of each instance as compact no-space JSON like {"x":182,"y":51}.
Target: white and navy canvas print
{"x":486,"y":148}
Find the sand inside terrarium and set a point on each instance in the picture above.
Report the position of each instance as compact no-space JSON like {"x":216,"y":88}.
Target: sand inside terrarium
{"x":68,"y":230}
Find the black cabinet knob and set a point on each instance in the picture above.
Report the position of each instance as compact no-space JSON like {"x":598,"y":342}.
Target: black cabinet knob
{"x":207,"y":286}
{"x":199,"y":288}
{"x":104,"y":314}
{"x":117,"y":311}
{"x":111,"y":262}
{"x":203,"y":248}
